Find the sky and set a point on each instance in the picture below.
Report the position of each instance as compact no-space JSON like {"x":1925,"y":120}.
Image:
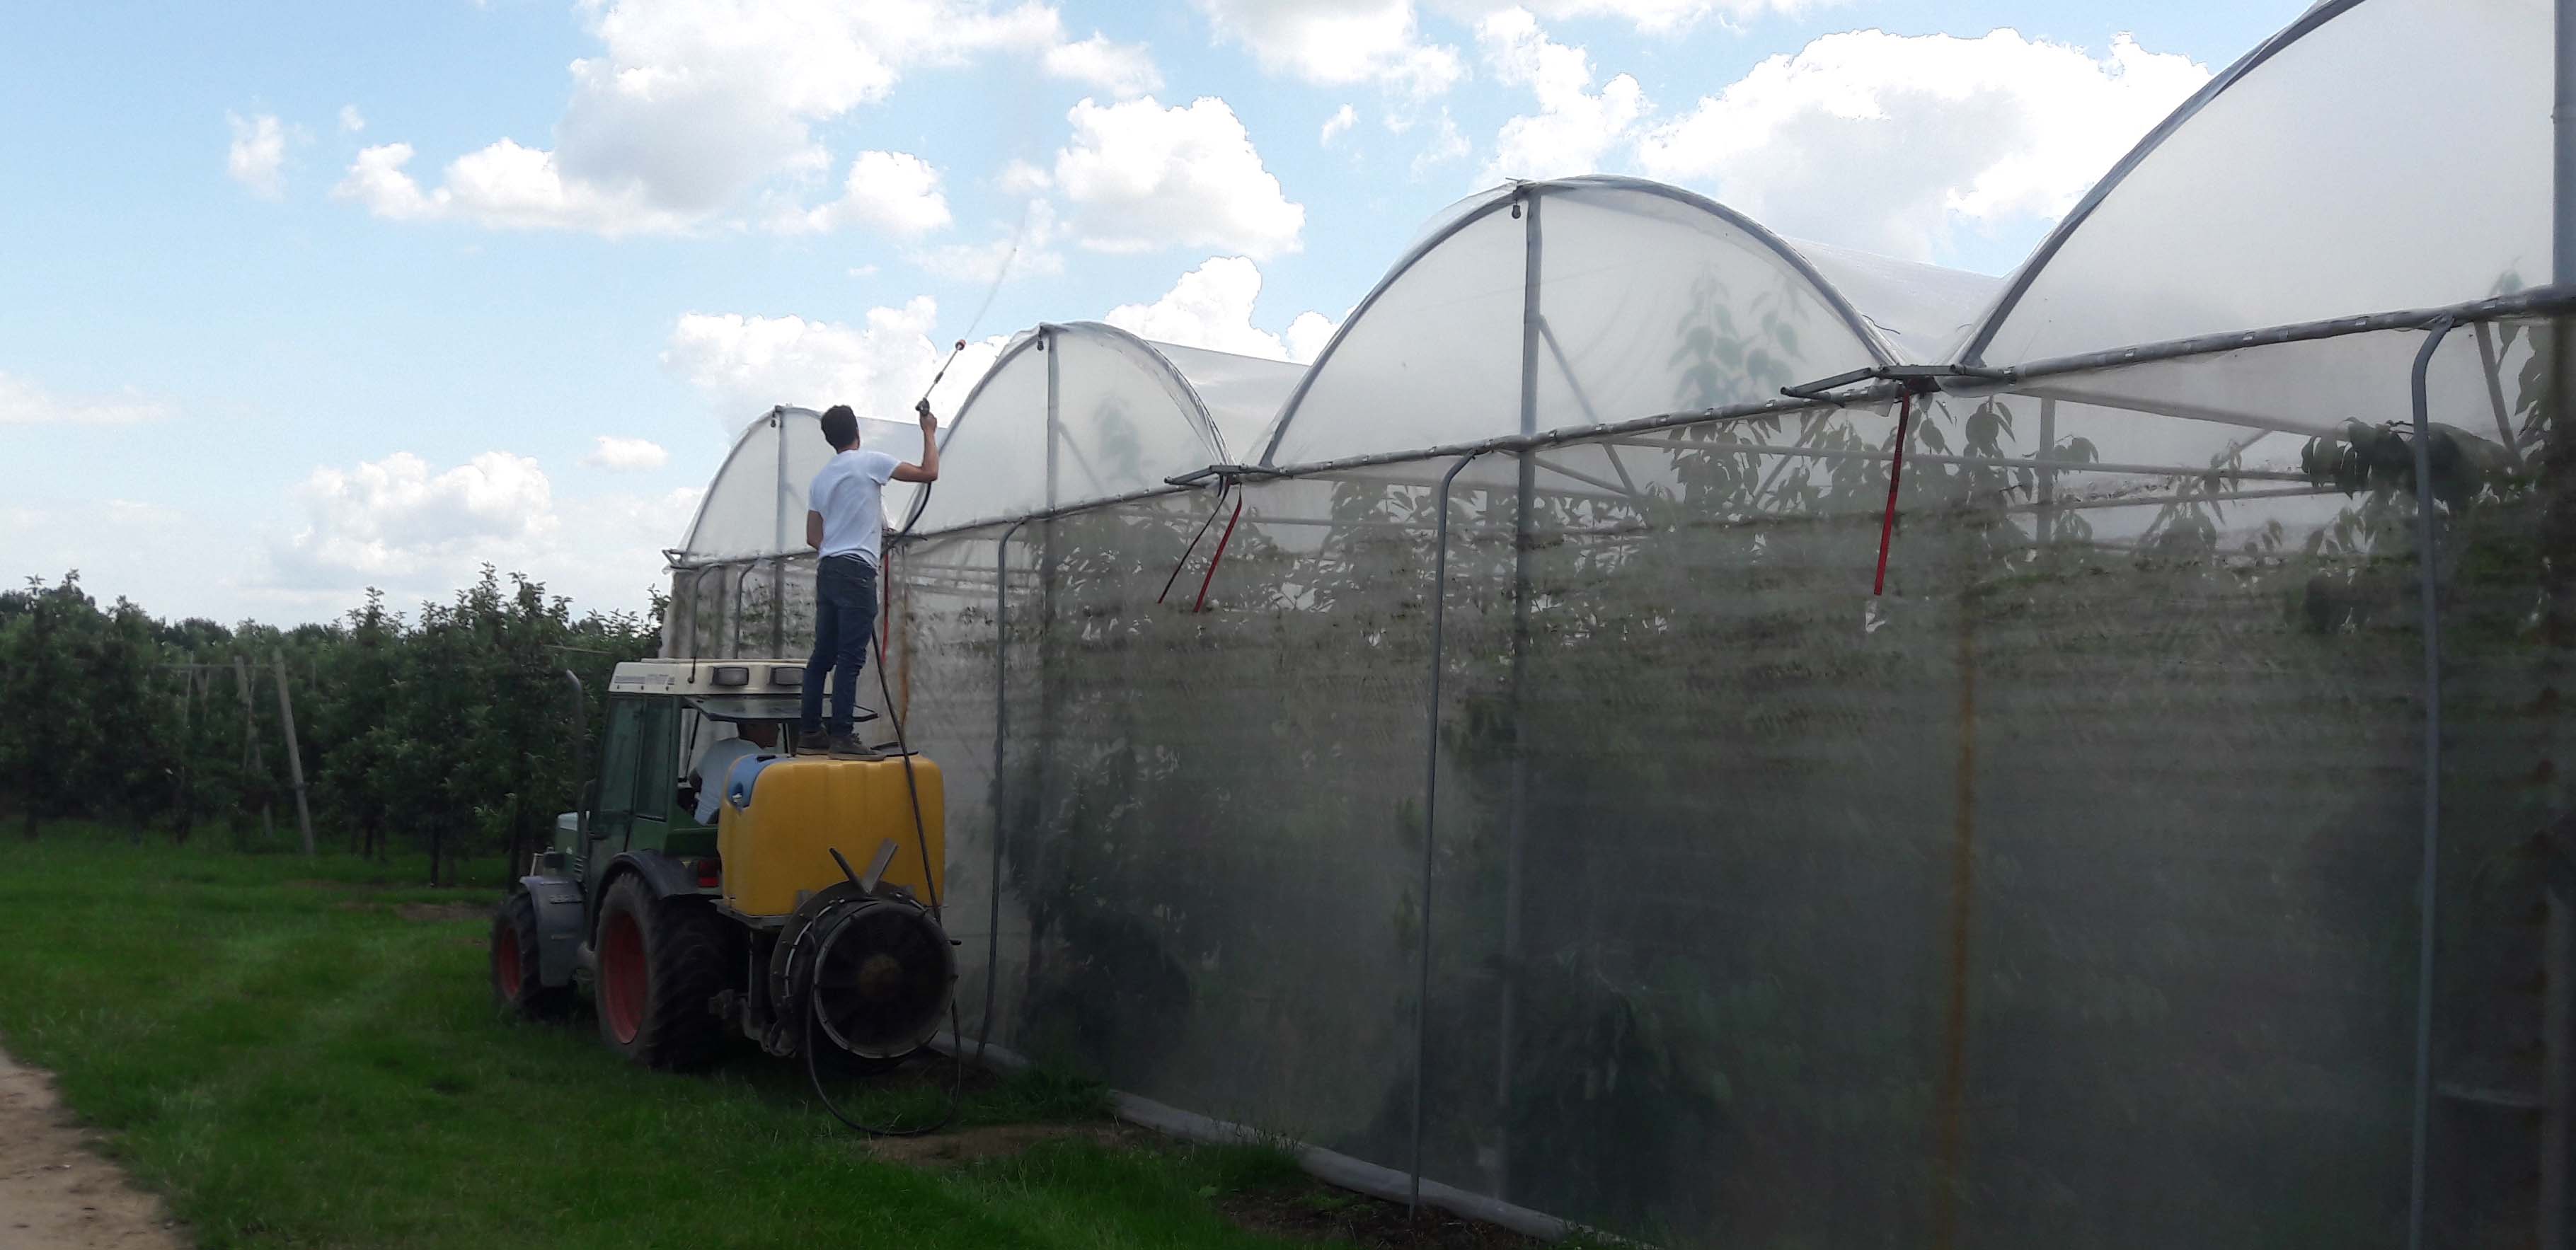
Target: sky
{"x":303,"y":299}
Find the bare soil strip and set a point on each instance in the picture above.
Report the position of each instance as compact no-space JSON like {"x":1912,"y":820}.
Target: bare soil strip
{"x":56,"y":1191}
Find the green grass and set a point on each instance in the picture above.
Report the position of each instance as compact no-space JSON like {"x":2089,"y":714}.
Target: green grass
{"x":292,"y":1063}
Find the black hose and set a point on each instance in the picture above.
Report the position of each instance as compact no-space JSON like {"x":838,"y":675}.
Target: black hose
{"x":814,"y":1076}
{"x":920,"y":834}
{"x":930,"y":882}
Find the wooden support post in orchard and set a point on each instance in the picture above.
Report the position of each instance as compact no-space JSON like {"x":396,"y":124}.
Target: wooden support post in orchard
{"x":294,"y":757}
{"x":251,"y":757}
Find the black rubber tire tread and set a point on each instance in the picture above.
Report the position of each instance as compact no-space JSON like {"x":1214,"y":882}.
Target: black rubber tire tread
{"x":537,"y":1000}
{"x":684,"y":963}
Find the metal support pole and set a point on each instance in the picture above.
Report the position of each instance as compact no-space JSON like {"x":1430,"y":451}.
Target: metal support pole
{"x":2047,"y":475}
{"x":778,"y":567}
{"x":2557,"y":1222}
{"x":1430,"y":820}
{"x":1950,"y":1148}
{"x":1516,"y":814}
{"x":1001,"y":776}
{"x":1053,"y":346}
{"x":2563,"y":132}
{"x":294,"y":757}
{"x":2428,"y":559}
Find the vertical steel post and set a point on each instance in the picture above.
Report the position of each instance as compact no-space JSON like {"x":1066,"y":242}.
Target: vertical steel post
{"x":2557,"y":1223}
{"x":2428,"y":559}
{"x":778,"y":562}
{"x":1001,"y":778}
{"x":294,"y":757}
{"x":1430,"y":818}
{"x":1053,"y":346}
{"x":2563,"y":132}
{"x":1950,"y":1144}
{"x":1516,"y":814}
{"x":2047,"y":476}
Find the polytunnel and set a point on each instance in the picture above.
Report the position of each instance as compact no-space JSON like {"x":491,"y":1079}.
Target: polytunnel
{"x":2092,"y":775}
{"x":1085,"y":412}
{"x":733,"y":564}
{"x":2376,"y":157}
{"x":1588,"y":301}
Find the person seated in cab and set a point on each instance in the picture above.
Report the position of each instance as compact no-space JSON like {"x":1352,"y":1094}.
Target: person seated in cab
{"x":757,"y":738}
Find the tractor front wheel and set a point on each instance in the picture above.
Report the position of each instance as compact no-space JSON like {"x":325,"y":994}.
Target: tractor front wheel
{"x":516,"y":984}
{"x":659,"y":962}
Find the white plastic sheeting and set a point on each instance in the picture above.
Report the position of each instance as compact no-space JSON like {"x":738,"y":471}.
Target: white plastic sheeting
{"x":2377,"y":156}
{"x":756,"y":504}
{"x":1082,"y":412}
{"x":1923,"y":312}
{"x":1242,"y":393}
{"x":1646,"y":299}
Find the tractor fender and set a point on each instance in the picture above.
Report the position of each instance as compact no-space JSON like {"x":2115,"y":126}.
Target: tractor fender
{"x":559,"y":925}
{"x":665,"y":876}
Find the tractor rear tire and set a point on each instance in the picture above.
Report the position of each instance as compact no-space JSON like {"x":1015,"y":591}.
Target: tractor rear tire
{"x":517,"y":986}
{"x":659,"y":962}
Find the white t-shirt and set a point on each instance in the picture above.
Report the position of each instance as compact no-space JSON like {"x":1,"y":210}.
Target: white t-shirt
{"x":715,"y":767}
{"x":850,"y":493}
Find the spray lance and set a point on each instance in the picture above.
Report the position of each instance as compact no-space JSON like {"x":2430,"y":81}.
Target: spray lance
{"x":1001,"y":274}
{"x":903,"y":749}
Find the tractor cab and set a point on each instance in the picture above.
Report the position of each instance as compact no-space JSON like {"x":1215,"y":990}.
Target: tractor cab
{"x":665,"y":719}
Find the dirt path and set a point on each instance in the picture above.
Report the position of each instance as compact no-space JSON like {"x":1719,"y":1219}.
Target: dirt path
{"x":56,"y":1193}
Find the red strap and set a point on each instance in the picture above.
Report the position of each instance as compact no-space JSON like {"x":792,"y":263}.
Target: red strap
{"x":1217,"y":558}
{"x":1895,"y":471}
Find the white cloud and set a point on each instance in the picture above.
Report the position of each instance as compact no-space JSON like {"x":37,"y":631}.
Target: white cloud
{"x":625,"y":455}
{"x":693,"y":105}
{"x":395,"y":517}
{"x":1341,"y":120}
{"x":1025,"y":251}
{"x":896,"y":193}
{"x":1211,"y":307}
{"x":351,"y":120}
{"x":1650,"y":16}
{"x":1142,"y":177}
{"x":23,"y":402}
{"x":1574,"y":125}
{"x":1446,"y":144}
{"x":1946,"y":131}
{"x":503,"y":186}
{"x":257,"y":157}
{"x":1121,"y":69}
{"x":417,"y":531}
{"x":1308,"y":335}
{"x":1018,"y":177}
{"x":1338,"y":42}
{"x":745,"y":364}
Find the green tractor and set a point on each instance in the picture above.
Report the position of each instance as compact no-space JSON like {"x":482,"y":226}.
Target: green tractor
{"x":796,"y":906}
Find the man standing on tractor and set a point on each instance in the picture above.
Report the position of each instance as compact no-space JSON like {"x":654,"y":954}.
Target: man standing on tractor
{"x":845,"y":524}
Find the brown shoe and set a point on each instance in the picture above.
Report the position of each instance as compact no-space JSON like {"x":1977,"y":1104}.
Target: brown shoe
{"x":847,"y":746}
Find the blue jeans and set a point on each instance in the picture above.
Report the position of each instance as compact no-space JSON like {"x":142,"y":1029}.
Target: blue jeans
{"x":845,"y":622}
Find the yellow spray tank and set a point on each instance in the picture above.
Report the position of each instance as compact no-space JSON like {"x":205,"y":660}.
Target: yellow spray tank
{"x":777,"y":847}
